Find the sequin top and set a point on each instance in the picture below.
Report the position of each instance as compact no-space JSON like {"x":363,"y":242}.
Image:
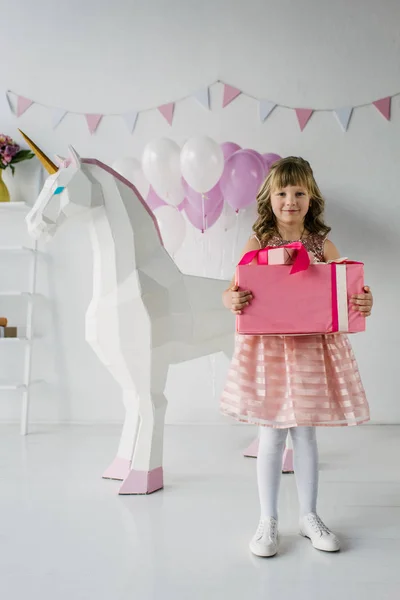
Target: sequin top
{"x":313,"y":242}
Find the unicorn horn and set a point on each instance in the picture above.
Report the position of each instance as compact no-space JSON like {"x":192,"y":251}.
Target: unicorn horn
{"x":46,"y":162}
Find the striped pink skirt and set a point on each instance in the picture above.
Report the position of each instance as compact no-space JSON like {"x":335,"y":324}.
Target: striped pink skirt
{"x":290,"y":381}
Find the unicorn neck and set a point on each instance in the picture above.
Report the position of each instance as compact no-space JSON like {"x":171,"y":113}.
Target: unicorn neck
{"x":124,"y":232}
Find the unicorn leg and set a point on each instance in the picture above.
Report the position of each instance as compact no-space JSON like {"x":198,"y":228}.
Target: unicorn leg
{"x":146,"y":474}
{"x":121,"y":465}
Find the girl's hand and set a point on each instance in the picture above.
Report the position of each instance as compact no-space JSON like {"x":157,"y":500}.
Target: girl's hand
{"x":239,"y":299}
{"x":363,"y":302}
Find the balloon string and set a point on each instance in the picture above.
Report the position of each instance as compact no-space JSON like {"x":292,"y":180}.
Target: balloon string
{"x":202,"y":209}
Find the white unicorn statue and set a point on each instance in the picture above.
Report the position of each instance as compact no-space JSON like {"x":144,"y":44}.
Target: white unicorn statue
{"x":144,"y":315}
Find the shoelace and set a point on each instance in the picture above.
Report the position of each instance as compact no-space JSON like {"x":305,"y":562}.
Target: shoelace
{"x":318,"y":525}
{"x":273,"y":529}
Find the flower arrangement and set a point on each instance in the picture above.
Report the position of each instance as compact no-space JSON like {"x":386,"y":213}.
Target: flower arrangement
{"x":11,"y":153}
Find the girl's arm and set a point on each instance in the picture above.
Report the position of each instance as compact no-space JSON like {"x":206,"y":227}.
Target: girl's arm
{"x":232,"y":298}
{"x":330,"y":251}
{"x":361,"y":302}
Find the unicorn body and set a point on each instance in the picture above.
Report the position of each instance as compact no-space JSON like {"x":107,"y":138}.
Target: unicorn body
{"x":144,"y":314}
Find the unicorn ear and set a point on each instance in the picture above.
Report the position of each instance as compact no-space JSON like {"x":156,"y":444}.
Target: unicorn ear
{"x":75,"y":158}
{"x":61,"y":162}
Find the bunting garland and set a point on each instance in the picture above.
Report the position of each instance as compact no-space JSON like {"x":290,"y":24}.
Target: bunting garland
{"x":130,"y":119}
{"x":383,"y":106}
{"x":19,"y":105}
{"x":303,"y":116}
{"x":203,"y":97}
{"x":93,"y":122}
{"x":343,"y":115}
{"x":167,"y":111}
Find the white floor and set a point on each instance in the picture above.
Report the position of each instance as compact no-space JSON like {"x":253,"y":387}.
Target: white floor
{"x":66,"y":534}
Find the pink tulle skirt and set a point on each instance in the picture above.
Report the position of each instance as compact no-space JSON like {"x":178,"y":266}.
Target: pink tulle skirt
{"x":284,"y":381}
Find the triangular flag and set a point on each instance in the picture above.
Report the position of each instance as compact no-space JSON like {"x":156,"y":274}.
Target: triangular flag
{"x":343,"y":115}
{"x":57,"y":116}
{"x":130,"y":119}
{"x":303,"y":116}
{"x":203,"y":97}
{"x":265,"y":107}
{"x":22,"y":105}
{"x":10,"y":102}
{"x":383,"y":105}
{"x":167,"y":111}
{"x":93,"y":122}
{"x":230,"y":93}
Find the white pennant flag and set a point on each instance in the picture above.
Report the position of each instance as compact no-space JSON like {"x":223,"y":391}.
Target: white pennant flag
{"x":130,"y":119}
{"x":343,"y":115}
{"x":57,"y":116}
{"x":266,"y":107}
{"x":203,"y":97}
{"x":10,"y":102}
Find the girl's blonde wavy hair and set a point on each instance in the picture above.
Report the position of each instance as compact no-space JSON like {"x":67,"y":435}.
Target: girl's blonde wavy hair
{"x":292,"y":170}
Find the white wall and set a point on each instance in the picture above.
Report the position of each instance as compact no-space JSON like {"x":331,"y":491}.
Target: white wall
{"x":101,"y":57}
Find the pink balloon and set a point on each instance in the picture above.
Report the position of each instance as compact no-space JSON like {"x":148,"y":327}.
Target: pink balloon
{"x":269,"y":160}
{"x":200,"y":221}
{"x":255,"y":153}
{"x":241,"y":179}
{"x":228,"y":148}
{"x":154,"y":201}
{"x":209,"y":200}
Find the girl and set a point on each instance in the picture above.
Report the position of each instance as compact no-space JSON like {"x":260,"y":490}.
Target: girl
{"x":292,"y":383}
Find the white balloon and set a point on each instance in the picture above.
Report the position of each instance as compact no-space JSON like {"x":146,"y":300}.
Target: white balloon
{"x":172,"y":227}
{"x":131,"y":169}
{"x":202,"y":163}
{"x":161,"y":166}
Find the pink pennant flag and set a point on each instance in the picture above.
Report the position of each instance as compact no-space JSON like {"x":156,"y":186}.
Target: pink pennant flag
{"x":230,"y":93}
{"x":383,"y":105}
{"x":167,"y":111}
{"x":93,"y":122}
{"x":303,"y":116}
{"x":22,"y":105}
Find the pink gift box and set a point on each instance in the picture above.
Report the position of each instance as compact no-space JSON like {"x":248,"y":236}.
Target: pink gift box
{"x":302,"y":299}
{"x":283,"y":256}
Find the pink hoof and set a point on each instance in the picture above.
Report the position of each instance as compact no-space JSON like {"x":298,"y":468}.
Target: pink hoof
{"x":142,"y":482}
{"x":252,"y":450}
{"x":119,"y":469}
{"x":287,"y":466}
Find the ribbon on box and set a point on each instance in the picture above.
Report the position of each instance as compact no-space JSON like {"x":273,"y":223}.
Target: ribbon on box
{"x":340,"y":301}
{"x":301,"y":260}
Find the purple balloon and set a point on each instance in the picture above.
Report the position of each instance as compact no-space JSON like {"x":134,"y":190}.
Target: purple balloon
{"x":241,"y":179}
{"x":209,"y":200}
{"x":203,"y":221}
{"x":228,"y":148}
{"x":255,"y":153}
{"x":269,"y":160}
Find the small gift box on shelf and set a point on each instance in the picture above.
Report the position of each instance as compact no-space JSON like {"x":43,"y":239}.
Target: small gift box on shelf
{"x":299,"y":299}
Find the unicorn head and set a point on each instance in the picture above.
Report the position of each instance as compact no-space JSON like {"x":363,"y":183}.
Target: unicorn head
{"x":66,"y":192}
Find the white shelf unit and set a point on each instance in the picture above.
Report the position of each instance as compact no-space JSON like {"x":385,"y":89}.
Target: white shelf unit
{"x":25,"y":385}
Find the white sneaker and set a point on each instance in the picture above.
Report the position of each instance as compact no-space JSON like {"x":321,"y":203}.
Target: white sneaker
{"x":265,"y":540}
{"x":321,"y":537}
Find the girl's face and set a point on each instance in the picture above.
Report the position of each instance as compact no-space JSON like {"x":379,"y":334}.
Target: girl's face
{"x":290,"y":204}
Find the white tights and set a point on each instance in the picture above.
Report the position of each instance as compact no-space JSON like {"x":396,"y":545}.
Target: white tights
{"x":269,"y":468}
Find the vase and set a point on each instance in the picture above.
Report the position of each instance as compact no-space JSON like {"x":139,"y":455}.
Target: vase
{"x":4,"y":193}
